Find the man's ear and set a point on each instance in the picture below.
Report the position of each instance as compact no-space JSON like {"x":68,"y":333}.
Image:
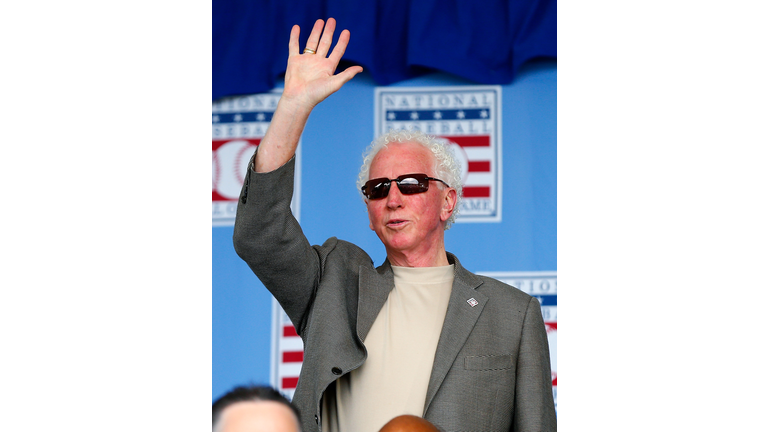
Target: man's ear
{"x":449,"y":203}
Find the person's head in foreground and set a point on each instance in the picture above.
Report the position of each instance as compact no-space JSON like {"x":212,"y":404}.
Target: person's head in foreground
{"x":409,"y":423}
{"x":254,"y":409}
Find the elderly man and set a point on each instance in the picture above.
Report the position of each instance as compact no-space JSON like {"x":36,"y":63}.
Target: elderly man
{"x":419,"y":335}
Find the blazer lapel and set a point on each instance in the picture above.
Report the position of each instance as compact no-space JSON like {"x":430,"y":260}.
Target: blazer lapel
{"x":375,"y":286}
{"x":460,"y":319}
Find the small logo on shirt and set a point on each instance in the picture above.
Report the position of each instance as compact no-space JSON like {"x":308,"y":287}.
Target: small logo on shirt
{"x":472,"y":302}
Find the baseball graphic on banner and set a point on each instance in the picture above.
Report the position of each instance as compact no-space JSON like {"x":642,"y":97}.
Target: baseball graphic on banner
{"x":239,"y":123}
{"x":230,"y":163}
{"x":215,"y":170}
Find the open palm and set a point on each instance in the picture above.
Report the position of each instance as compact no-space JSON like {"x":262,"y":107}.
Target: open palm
{"x":309,"y":78}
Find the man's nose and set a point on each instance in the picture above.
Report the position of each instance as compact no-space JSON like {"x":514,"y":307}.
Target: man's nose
{"x":394,"y":197}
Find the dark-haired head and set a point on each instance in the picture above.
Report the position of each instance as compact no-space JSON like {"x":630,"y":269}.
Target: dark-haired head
{"x":253,"y":394}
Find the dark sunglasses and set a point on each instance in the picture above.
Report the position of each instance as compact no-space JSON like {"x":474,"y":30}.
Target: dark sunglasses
{"x":408,"y":184}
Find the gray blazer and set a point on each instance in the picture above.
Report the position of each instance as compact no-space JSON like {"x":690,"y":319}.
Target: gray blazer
{"x":491,"y":370}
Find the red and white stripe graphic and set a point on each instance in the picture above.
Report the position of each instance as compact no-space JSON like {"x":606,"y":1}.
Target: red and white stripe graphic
{"x":552,"y":339}
{"x":287,"y":352}
{"x":475,"y":155}
{"x":291,"y":357}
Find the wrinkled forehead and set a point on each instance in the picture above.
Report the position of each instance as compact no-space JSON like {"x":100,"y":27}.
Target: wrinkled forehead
{"x":398,"y":158}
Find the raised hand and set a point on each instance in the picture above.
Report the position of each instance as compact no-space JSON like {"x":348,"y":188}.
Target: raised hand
{"x":309,"y":77}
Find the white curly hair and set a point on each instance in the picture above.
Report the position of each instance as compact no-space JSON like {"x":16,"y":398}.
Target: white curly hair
{"x":445,"y":168}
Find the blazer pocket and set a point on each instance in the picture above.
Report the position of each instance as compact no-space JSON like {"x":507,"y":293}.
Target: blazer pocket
{"x":489,"y":362}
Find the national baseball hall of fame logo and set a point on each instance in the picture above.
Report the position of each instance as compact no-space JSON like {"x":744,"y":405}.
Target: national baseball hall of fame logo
{"x":468,"y":118}
{"x":239,"y":124}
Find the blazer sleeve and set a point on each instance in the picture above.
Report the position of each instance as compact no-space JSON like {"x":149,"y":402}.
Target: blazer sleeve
{"x":269,"y":239}
{"x":534,"y":403}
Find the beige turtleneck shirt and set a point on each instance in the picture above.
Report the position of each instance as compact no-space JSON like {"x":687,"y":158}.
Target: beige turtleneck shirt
{"x":401,"y":349}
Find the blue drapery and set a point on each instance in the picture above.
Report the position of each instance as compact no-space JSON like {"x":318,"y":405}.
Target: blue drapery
{"x":483,"y":41}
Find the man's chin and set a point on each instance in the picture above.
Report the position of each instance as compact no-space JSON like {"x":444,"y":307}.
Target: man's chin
{"x":398,"y":243}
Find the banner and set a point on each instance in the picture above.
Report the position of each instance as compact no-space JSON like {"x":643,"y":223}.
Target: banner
{"x":239,"y":124}
{"x":469,"y":120}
